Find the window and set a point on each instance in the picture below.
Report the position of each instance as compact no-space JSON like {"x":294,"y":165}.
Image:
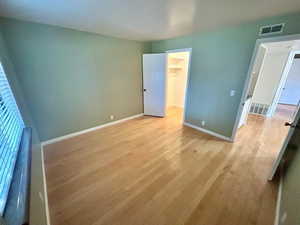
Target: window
{"x":11,"y":127}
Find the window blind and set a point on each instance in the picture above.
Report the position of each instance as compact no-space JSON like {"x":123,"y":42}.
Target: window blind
{"x":11,"y":128}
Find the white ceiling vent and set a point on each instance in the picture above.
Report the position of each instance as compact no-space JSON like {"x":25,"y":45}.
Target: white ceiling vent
{"x":271,"y":29}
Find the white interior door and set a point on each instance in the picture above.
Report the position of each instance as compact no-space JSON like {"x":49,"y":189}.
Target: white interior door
{"x":245,"y":112}
{"x":154,"y":82}
{"x":293,"y":126}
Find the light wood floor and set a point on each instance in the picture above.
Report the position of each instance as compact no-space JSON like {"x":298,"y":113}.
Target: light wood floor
{"x":154,"y":171}
{"x":285,"y":112}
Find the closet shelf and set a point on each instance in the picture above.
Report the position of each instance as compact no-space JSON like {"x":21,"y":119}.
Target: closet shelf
{"x":175,"y":67}
{"x":178,"y":58}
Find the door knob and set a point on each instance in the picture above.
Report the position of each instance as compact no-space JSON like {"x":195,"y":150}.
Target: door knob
{"x":291,"y":125}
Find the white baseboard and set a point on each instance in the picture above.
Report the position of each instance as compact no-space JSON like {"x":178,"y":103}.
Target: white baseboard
{"x":279,"y":195}
{"x":45,"y":189}
{"x":51,"y":141}
{"x":208,"y":132}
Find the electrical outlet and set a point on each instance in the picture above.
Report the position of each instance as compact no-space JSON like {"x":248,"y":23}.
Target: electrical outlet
{"x":203,"y":123}
{"x":283,"y":218}
{"x":112,"y":117}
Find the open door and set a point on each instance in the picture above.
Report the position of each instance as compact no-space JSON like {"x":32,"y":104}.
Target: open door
{"x":154,"y":82}
{"x":245,"y":111}
{"x":293,"y":125}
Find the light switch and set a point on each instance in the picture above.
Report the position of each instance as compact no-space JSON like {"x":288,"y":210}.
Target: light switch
{"x":232,"y":93}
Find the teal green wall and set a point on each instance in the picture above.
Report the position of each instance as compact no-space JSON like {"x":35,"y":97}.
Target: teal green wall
{"x":220,"y":61}
{"x":87,"y":77}
{"x":74,"y":80}
{"x":37,"y":206}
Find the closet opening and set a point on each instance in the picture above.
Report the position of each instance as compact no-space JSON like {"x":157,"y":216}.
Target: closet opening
{"x":178,"y":65}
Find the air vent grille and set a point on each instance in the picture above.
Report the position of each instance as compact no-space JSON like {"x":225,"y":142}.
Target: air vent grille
{"x":261,"y":109}
{"x":271,"y":29}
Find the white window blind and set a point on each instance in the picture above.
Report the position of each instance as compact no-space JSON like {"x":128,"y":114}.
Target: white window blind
{"x":11,"y":128}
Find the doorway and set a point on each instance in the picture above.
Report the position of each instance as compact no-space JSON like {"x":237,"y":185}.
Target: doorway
{"x":165,"y":82}
{"x":271,"y":93}
{"x":289,"y":96}
{"x":177,"y":79}
{"x":275,"y":82}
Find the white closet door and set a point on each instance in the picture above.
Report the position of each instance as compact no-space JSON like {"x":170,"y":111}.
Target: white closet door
{"x":154,"y":81}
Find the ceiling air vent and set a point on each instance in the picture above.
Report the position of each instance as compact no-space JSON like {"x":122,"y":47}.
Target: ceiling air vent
{"x":271,"y":29}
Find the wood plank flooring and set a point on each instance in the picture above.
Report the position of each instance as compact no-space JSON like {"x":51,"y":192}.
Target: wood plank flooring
{"x":155,"y":171}
{"x":285,"y":112}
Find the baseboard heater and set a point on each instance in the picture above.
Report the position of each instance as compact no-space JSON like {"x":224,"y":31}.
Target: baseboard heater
{"x":260,"y":109}
{"x":17,"y":206}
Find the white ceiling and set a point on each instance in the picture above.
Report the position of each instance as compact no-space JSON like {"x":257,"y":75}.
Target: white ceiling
{"x":144,"y":19}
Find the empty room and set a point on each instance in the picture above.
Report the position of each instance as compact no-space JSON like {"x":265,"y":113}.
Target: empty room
{"x":149,"y":112}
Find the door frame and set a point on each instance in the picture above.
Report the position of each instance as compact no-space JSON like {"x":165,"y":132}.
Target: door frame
{"x":248,"y":77}
{"x":284,"y":77}
{"x":188,"y":76}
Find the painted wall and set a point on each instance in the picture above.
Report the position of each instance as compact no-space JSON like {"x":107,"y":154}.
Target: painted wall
{"x":37,"y":206}
{"x":270,"y":76}
{"x":291,"y":93}
{"x":74,"y":80}
{"x":208,"y":95}
{"x":171,"y":89}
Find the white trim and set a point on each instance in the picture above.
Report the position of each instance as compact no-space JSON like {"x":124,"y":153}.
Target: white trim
{"x":278,"y":202}
{"x":208,"y":132}
{"x":45,"y":188}
{"x":51,"y":141}
{"x":248,"y":79}
{"x":188,"y":75}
